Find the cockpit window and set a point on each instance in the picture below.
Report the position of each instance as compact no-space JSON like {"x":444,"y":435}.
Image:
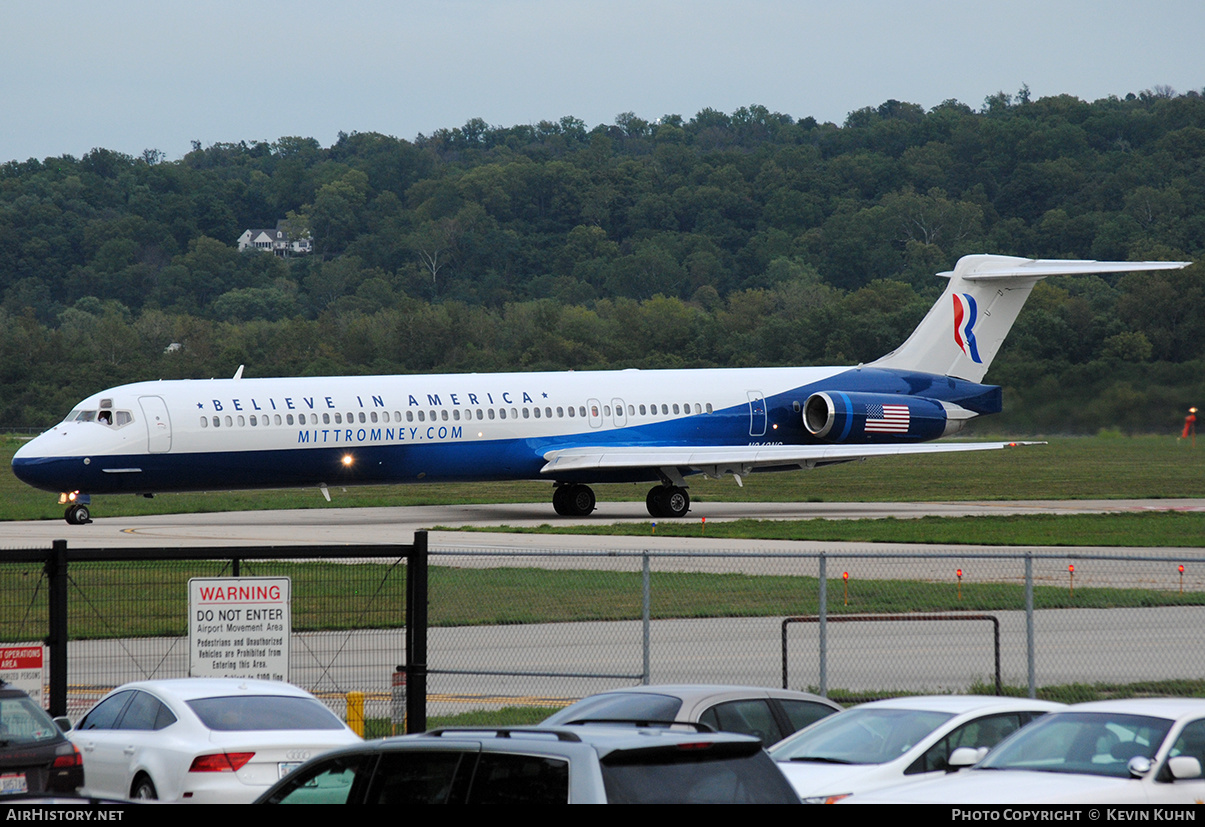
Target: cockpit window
{"x":114,"y":419}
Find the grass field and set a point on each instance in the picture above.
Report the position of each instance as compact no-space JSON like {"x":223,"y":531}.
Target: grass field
{"x":1067,"y":468}
{"x":333,"y":596}
{"x":1172,"y":529}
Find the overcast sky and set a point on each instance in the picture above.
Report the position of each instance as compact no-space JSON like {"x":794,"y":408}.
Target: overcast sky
{"x":130,"y":75}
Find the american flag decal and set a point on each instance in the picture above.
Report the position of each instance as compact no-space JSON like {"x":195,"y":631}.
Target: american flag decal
{"x":886,"y":419}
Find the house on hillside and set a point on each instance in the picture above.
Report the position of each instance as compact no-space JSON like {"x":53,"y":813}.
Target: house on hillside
{"x":278,"y":241}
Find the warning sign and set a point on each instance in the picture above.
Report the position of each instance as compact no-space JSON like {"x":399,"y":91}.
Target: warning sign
{"x":239,"y":627}
{"x":22,"y":666}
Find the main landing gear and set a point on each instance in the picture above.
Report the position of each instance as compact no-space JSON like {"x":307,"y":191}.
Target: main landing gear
{"x":576,"y":500}
{"x":668,"y":501}
{"x":573,"y":500}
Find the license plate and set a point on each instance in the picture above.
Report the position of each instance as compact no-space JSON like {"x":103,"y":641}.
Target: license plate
{"x":13,"y":782}
{"x":287,"y":767}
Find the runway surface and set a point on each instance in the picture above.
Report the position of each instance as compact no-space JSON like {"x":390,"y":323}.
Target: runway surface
{"x":333,"y":525}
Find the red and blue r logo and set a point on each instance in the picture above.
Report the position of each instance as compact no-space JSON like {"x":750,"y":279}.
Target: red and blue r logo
{"x":965,"y":316}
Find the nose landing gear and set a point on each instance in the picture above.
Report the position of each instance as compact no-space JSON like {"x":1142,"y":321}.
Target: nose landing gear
{"x":78,"y":514}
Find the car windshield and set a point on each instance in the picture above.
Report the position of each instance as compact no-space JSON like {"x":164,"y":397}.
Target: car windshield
{"x":256,"y":713}
{"x":860,"y":736}
{"x":705,"y":773}
{"x":624,"y":706}
{"x":1088,"y":743}
{"x":24,"y":722}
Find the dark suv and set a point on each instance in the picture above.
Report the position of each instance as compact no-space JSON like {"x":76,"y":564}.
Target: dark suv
{"x":35,"y":756}
{"x":592,"y":764}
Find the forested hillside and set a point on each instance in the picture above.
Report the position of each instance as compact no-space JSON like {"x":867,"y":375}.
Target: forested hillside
{"x":726,"y":239}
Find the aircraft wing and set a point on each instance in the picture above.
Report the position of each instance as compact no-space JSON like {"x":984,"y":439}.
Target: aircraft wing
{"x":717,"y":460}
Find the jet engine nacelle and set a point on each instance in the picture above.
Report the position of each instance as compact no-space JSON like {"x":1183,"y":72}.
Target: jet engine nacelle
{"x":837,"y":416}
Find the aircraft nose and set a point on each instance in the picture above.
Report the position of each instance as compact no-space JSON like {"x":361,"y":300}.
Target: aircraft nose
{"x":33,"y":466}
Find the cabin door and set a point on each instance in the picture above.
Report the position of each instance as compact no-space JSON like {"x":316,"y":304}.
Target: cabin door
{"x":158,"y":424}
{"x":757,"y":413}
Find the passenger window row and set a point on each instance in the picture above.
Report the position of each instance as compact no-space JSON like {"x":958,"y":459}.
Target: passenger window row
{"x":454,"y":415}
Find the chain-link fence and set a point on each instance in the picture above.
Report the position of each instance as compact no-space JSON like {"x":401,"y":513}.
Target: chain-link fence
{"x":540,"y":629}
{"x":128,"y":619}
{"x":529,"y":628}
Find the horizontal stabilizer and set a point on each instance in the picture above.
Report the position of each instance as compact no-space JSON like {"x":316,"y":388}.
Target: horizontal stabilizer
{"x":962,"y":333}
{"x":1043,"y":267}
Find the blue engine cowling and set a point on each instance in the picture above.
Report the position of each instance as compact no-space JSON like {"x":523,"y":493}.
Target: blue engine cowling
{"x":837,"y":416}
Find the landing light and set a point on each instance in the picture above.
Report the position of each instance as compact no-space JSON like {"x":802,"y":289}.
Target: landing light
{"x":348,"y":460}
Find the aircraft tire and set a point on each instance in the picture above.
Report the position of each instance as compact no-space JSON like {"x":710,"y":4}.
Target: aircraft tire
{"x":653,"y":501}
{"x":580,"y":501}
{"x":560,"y":500}
{"x":677,"y":502}
{"x":78,"y":515}
{"x":667,"y":501}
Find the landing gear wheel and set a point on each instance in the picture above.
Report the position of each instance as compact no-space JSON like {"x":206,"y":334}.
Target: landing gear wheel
{"x":581,"y":501}
{"x":573,"y":500}
{"x":143,"y":789}
{"x":560,"y":500}
{"x":78,"y":515}
{"x":677,"y":502}
{"x":653,"y":501}
{"x":667,"y":501}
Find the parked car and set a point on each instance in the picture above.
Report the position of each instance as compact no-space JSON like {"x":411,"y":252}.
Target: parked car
{"x":1136,"y":751}
{"x":769,"y":714}
{"x":541,"y":765}
{"x":886,"y":743}
{"x":220,"y":740}
{"x":35,"y":756}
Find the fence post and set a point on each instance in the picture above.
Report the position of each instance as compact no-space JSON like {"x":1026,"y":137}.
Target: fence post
{"x":822,"y":611}
{"x":56,"y":640}
{"x":645,"y":613}
{"x":1029,"y":647}
{"x":416,"y":635}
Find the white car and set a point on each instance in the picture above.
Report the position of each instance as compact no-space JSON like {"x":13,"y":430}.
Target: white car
{"x":202,"y":740}
{"x":886,"y":743}
{"x":1137,"y":751}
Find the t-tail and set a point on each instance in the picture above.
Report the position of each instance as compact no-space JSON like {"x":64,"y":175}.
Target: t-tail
{"x":962,"y":333}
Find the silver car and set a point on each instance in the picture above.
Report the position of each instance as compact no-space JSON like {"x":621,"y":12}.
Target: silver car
{"x":541,"y":765}
{"x":768,"y":714}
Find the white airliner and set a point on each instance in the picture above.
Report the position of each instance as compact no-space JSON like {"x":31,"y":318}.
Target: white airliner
{"x":570,"y":428}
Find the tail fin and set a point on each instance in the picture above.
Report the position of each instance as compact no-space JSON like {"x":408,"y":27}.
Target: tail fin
{"x":962,"y":332}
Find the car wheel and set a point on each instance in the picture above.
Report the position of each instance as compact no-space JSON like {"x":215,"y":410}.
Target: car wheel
{"x":143,"y":789}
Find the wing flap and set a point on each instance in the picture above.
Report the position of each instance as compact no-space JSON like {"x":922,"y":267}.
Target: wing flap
{"x":724,"y":459}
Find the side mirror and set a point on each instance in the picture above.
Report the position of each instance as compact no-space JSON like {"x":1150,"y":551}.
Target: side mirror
{"x":964,"y":757}
{"x":63,"y":723}
{"x":1183,"y":767}
{"x":1138,"y":766}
